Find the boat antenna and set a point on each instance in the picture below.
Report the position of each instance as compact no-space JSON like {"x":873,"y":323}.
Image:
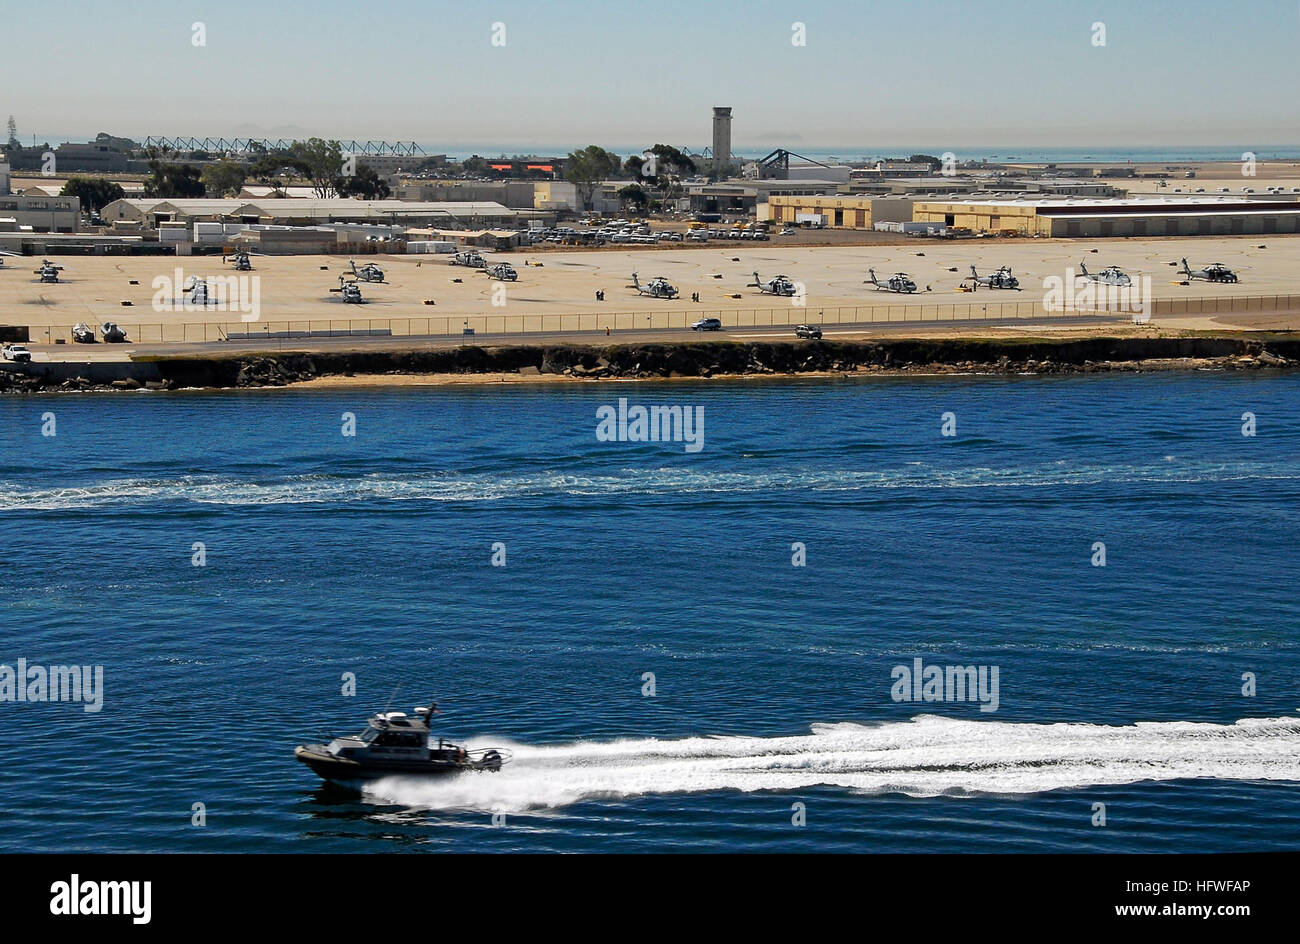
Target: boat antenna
{"x":392,"y":698}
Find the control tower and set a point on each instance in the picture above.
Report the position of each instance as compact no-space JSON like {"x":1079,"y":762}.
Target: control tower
{"x":721,"y":139}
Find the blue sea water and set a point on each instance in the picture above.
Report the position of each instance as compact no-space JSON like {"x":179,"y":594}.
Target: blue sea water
{"x":773,"y":684}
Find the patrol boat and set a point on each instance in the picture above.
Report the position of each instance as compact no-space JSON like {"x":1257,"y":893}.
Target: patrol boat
{"x":394,"y":743}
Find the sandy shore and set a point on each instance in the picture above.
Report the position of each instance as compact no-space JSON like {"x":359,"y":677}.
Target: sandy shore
{"x":407,"y":381}
{"x":342,"y":381}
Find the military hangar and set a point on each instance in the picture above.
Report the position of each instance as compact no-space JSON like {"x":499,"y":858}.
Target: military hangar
{"x":151,"y":213}
{"x":1159,"y":216}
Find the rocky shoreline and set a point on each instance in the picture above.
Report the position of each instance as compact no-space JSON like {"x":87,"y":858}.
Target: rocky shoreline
{"x":683,"y":360}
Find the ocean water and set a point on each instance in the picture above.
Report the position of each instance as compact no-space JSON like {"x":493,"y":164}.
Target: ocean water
{"x":773,"y":684}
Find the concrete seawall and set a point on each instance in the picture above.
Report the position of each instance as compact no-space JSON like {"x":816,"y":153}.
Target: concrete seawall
{"x":702,"y":359}
{"x":687,"y":359}
{"x":55,"y":375}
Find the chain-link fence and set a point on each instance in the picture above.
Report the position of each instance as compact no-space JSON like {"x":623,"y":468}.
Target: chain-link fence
{"x":977,"y":309}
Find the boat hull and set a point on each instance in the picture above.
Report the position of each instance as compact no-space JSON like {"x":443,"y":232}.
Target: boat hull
{"x":344,"y":770}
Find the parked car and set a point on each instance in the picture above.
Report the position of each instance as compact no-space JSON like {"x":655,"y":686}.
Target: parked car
{"x":707,"y":324}
{"x":808,"y":332}
{"x":16,"y":353}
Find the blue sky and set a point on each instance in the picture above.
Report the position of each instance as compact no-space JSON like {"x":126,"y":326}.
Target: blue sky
{"x":938,"y":72}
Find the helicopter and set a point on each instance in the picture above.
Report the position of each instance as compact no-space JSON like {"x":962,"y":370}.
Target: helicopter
{"x":241,"y":261}
{"x":1217,"y":272}
{"x":198,"y":290}
{"x":1111,"y":275}
{"x":658,"y":287}
{"x":350,"y":291}
{"x":112,"y":333}
{"x":82,"y":333}
{"x":2,"y":257}
{"x":468,"y":257}
{"x":502,"y":272}
{"x":899,"y":282}
{"x":367,"y":273}
{"x":999,"y":279}
{"x":777,"y":286}
{"x":49,"y":272}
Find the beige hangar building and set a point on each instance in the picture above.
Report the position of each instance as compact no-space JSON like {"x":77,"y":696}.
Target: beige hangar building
{"x":1161,"y":216}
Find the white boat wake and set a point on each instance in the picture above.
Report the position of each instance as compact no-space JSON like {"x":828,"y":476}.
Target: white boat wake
{"x":924,"y":757}
{"x":429,"y":486}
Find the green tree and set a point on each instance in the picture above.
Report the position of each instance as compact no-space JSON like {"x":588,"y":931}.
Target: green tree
{"x":275,"y":165}
{"x":663,"y":168}
{"x":587,"y":168}
{"x":365,"y":183}
{"x":168,"y":179}
{"x":324,"y":162}
{"x":634,"y":195}
{"x":95,"y":193}
{"x":632,"y":166}
{"x":225,"y":178}
{"x":671,"y":160}
{"x":930,"y":159}
{"x":660,"y":167}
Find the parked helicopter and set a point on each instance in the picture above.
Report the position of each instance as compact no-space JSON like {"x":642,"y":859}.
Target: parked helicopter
{"x":367,"y":273}
{"x":502,"y":272}
{"x":777,"y":286}
{"x":468,"y":257}
{"x":350,"y":292}
{"x":1217,"y":272}
{"x":49,"y":272}
{"x":112,"y":333}
{"x":899,"y":282}
{"x":2,"y":257}
{"x":658,"y":287}
{"x":999,"y":279}
{"x":241,"y":261}
{"x":1111,"y":275}
{"x":82,"y":333}
{"x":198,"y":291}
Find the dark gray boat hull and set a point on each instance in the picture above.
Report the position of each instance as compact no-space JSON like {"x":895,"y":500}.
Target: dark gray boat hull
{"x":345,"y":770}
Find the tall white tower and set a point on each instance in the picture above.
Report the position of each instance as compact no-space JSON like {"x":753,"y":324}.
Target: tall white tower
{"x":721,"y":139}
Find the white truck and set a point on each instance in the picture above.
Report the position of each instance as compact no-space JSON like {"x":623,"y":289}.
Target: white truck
{"x":16,"y":353}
